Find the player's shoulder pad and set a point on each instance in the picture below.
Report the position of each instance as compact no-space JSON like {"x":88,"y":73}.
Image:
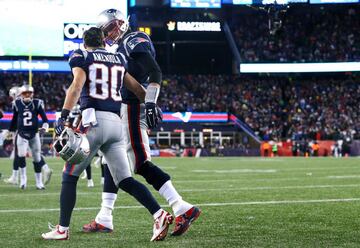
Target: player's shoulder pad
{"x":16,"y":103}
{"x":78,"y":53}
{"x":137,"y":38}
{"x":38,"y":101}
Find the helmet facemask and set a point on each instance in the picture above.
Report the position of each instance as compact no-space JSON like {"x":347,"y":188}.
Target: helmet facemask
{"x":27,"y":96}
{"x":114,"y":31}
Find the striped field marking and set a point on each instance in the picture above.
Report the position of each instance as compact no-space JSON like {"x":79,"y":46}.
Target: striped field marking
{"x":236,"y":171}
{"x":215,"y":204}
{"x":22,"y":194}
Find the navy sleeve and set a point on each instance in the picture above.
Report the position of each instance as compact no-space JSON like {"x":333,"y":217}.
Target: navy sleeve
{"x":13,"y":122}
{"x":77,"y":59}
{"x":139,"y":43}
{"x":41,"y":111}
{"x":149,"y":67}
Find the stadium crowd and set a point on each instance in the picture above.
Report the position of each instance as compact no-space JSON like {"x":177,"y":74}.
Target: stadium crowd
{"x":50,"y":87}
{"x":274,"y":107}
{"x":314,"y":34}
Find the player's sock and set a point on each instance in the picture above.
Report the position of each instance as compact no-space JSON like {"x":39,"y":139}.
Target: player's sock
{"x":23,"y":177}
{"x":45,"y":167}
{"x":16,"y":163}
{"x":153,"y":175}
{"x":67,"y":199}
{"x":38,"y":176}
{"x":104,"y":217}
{"x":140,"y":193}
{"x":88,"y":172}
{"x":43,"y":164}
{"x":109,"y":185}
{"x":15,"y":174}
{"x":63,"y":228}
{"x":38,"y":180}
{"x":102,"y":169}
{"x":170,"y":194}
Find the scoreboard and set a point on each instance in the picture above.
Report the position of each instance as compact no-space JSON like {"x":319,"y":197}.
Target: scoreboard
{"x":37,"y":27}
{"x":195,"y":3}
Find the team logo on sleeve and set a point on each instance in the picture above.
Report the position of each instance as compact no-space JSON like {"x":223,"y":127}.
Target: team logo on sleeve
{"x":73,"y":55}
{"x":136,"y":41}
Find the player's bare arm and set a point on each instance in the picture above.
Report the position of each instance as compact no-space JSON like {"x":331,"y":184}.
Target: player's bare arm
{"x":73,"y":93}
{"x":135,"y":87}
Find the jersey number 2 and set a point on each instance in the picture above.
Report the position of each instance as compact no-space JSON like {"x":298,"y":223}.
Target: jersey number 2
{"x":27,"y":118}
{"x":105,"y":82}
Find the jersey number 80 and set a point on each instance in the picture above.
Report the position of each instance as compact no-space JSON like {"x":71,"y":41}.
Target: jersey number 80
{"x":105,"y":81}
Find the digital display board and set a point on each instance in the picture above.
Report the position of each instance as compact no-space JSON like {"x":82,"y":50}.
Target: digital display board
{"x":264,"y":2}
{"x":36,"y":27}
{"x":333,"y":1}
{"x":279,"y":2}
{"x":35,"y":65}
{"x":199,"y":26}
{"x":167,"y":117}
{"x":195,"y":3}
{"x":299,"y":67}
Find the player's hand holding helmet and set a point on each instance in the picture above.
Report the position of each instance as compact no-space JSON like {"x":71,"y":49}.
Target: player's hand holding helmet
{"x":62,"y":122}
{"x":60,"y":126}
{"x":72,"y":146}
{"x":153,"y":114}
{"x":114,"y":25}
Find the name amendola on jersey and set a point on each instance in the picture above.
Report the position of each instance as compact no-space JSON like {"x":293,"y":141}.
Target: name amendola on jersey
{"x":98,"y":57}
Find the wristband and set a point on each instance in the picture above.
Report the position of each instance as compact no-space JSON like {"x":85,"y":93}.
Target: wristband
{"x":64,"y":114}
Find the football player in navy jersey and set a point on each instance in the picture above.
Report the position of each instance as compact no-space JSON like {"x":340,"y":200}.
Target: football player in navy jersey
{"x":138,"y":118}
{"x":98,"y":78}
{"x":25,"y":121}
{"x":14,"y":92}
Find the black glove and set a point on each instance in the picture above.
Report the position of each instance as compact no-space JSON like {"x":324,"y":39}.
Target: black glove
{"x":153,"y":114}
{"x":59,"y":126}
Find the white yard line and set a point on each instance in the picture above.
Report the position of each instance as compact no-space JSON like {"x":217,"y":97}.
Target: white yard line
{"x":21,"y":194}
{"x":344,"y":177}
{"x":214,"y":204}
{"x":236,"y":171}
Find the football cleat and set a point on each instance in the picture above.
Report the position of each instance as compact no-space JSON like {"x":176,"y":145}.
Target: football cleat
{"x":161,"y":226}
{"x":11,"y":180}
{"x":55,"y":233}
{"x":40,"y":187}
{"x":95,"y":227}
{"x":47,"y":175}
{"x":183,"y":222}
{"x":23,"y":186}
{"x":90,"y":183}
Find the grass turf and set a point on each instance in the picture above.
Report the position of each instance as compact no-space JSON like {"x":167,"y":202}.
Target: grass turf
{"x":246,"y":202}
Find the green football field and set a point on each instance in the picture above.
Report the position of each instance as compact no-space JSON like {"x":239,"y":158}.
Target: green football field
{"x":245,"y":202}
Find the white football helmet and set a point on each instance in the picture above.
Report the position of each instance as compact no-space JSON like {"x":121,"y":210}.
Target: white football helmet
{"x":27,"y":92}
{"x":114,"y":25}
{"x":73,"y":147}
{"x":14,"y":92}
